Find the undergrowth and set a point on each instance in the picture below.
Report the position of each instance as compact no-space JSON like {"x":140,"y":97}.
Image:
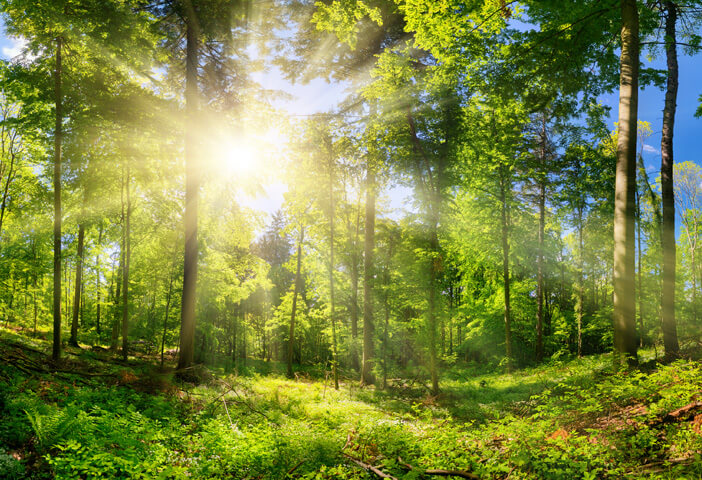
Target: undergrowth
{"x":568,"y":420}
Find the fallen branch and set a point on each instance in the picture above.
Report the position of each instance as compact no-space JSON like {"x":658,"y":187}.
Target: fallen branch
{"x":292,"y":470}
{"x":682,"y":412}
{"x":369,"y":468}
{"x":439,"y":472}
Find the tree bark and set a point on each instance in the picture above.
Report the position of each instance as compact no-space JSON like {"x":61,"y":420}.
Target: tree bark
{"x":192,"y":189}
{"x":296,"y":288}
{"x":354,"y":293}
{"x":58,"y":136}
{"x":73,"y":341}
{"x":581,"y":281}
{"x":625,"y":343}
{"x":670,"y":335}
{"x":367,"y":377}
{"x":335,"y":359}
{"x":125,"y":276}
{"x":114,"y":341}
{"x":540,"y":254}
{"x":504,"y":214}
{"x":97,"y":284}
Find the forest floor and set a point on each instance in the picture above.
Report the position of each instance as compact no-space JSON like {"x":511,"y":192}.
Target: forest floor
{"x":94,"y":416}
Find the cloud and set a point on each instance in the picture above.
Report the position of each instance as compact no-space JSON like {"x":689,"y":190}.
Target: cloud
{"x":649,"y":149}
{"x":15,"y":49}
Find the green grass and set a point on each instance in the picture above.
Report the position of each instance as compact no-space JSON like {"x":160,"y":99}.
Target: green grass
{"x":567,"y":420}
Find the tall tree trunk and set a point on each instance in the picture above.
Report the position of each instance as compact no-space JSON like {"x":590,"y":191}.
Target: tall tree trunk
{"x":581,"y":281}
{"x":34,"y":284}
{"x":192,"y":189}
{"x":125,"y":276}
{"x":354,"y":292}
{"x":73,"y":341}
{"x":639,"y":273}
{"x":624,"y":261}
{"x":670,"y":333}
{"x":504,"y":214}
{"x":296,"y":289}
{"x":114,"y":340}
{"x":97,"y":283}
{"x":58,"y":136}
{"x":368,"y":267}
{"x":540,"y":269}
{"x":335,"y":359}
{"x":431,"y":324}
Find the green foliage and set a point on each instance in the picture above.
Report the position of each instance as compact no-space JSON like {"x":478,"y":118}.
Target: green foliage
{"x":10,"y":467}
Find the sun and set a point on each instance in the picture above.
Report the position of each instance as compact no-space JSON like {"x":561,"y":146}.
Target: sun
{"x":238,"y":158}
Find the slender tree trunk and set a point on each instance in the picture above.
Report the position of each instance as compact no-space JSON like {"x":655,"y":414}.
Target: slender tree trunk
{"x":125,"y":275}
{"x":670,"y":333}
{"x":114,"y":341}
{"x":540,"y":270}
{"x":433,"y":270}
{"x":192,"y":189}
{"x":386,"y":338}
{"x":58,"y":136}
{"x":296,"y":288}
{"x":34,"y":284}
{"x":367,"y":377}
{"x":335,"y":359}
{"x":581,"y":282}
{"x":354,"y":293}
{"x":639,"y":274}
{"x":97,"y":283}
{"x":73,"y":341}
{"x":624,"y":267}
{"x":504,"y":214}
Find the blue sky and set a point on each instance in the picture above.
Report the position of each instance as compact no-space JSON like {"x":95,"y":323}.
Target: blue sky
{"x":688,"y":129}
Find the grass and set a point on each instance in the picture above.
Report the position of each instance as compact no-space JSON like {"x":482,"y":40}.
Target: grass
{"x":101,"y":418}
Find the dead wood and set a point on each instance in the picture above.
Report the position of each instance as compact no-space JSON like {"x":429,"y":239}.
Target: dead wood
{"x":370,"y":468}
{"x":437,"y":472}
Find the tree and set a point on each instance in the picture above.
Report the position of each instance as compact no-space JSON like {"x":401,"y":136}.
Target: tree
{"x":625,"y":342}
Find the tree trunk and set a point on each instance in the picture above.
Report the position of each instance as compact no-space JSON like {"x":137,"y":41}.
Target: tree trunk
{"x":192,"y":189}
{"x":639,"y":274}
{"x":73,"y":341}
{"x":335,"y":359}
{"x":433,"y":270}
{"x":670,"y":333}
{"x":114,"y":342}
{"x":504,"y":214}
{"x":368,"y":266}
{"x":624,"y":267}
{"x":291,"y":338}
{"x":354,"y":293}
{"x":581,"y":282}
{"x":58,"y":136}
{"x":97,"y":283}
{"x":125,"y":276}
{"x":540,"y":268}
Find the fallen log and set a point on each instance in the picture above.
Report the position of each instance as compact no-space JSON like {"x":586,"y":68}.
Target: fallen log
{"x":437,"y":472}
{"x":682,"y":412}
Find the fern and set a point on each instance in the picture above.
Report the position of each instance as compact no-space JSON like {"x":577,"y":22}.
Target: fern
{"x":50,"y":429}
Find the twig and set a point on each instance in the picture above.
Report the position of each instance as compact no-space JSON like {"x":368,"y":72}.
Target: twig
{"x":292,"y":470}
{"x":227,"y":410}
{"x":437,"y":472}
{"x":369,"y":468}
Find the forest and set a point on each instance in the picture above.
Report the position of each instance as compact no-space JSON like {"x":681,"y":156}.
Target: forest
{"x":350,"y":239}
